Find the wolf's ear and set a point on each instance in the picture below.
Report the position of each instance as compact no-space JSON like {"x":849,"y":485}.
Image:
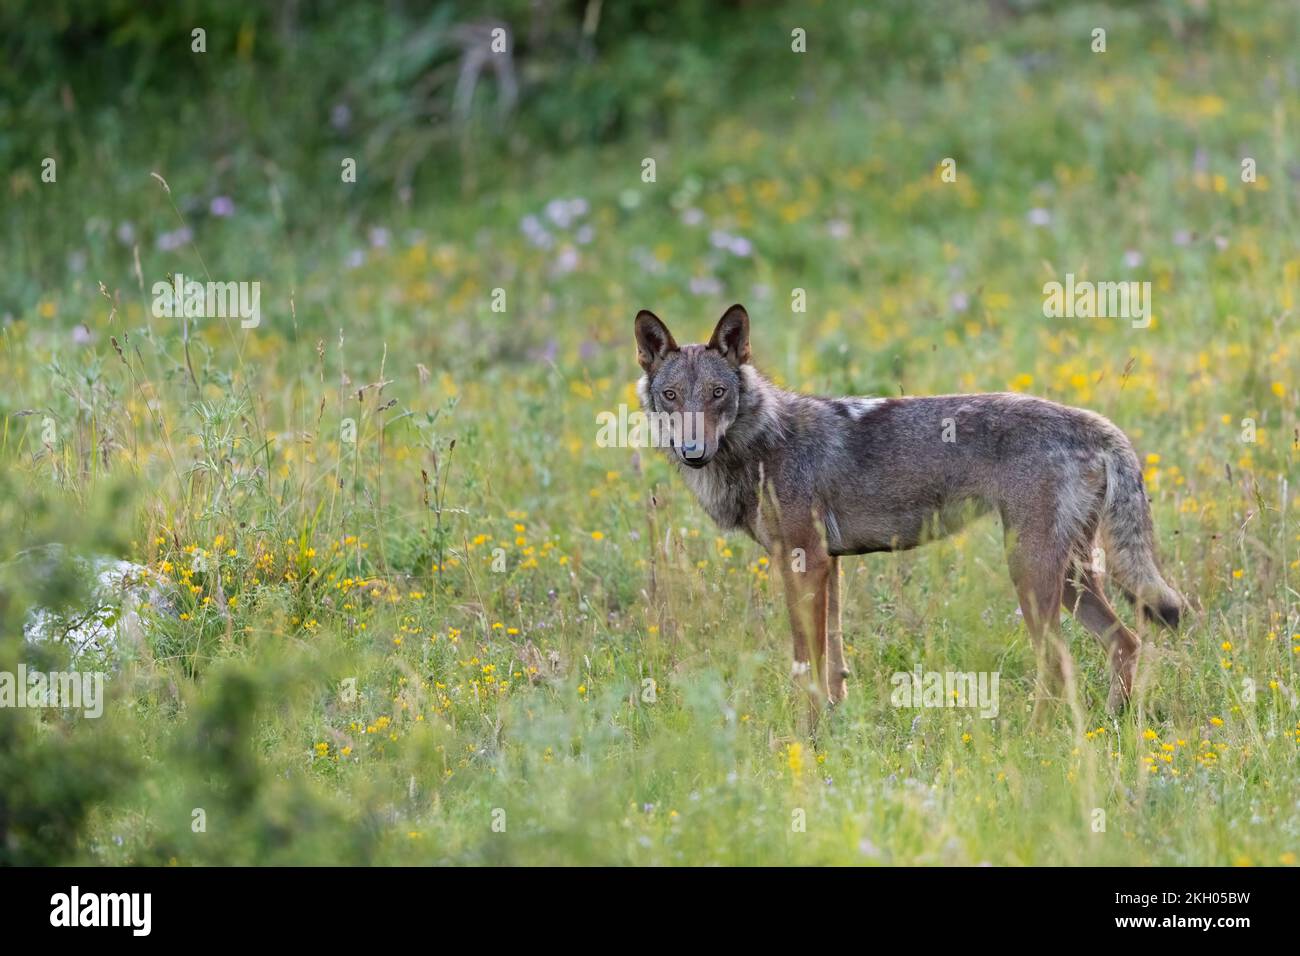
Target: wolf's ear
{"x":731,"y":336}
{"x":653,"y":340}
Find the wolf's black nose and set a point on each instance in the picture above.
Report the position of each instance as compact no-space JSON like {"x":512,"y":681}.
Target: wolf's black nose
{"x":692,"y":449}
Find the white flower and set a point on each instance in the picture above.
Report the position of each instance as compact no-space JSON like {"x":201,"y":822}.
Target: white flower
{"x":839,"y":229}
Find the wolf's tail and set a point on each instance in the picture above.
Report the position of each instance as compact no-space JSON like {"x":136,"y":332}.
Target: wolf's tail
{"x":1128,"y":537}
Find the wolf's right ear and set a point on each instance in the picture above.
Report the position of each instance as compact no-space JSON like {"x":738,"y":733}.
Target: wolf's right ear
{"x":653,"y":341}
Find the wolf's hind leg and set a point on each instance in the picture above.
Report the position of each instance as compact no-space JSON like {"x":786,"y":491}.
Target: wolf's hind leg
{"x":1085,"y":598}
{"x":836,"y":670}
{"x":1038,"y":571}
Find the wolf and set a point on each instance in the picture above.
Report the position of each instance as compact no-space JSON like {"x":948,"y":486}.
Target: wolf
{"x":815,"y":479}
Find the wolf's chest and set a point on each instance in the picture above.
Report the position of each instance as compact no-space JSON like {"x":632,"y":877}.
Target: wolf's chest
{"x":728,"y":500}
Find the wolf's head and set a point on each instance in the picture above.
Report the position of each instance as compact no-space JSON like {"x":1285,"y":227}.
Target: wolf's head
{"x":698,"y":386}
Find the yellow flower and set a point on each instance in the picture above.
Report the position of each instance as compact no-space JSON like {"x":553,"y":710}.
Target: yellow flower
{"x":597,"y":536}
{"x":1216,"y":721}
{"x":794,"y":757}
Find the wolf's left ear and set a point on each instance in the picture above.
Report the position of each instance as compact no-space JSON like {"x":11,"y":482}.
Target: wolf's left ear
{"x":731,"y":336}
{"x":653,"y":341}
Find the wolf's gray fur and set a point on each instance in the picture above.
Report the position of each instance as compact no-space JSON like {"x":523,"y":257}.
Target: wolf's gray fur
{"x":889,"y":474}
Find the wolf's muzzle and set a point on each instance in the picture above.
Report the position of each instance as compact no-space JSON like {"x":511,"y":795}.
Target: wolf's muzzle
{"x":692,"y":453}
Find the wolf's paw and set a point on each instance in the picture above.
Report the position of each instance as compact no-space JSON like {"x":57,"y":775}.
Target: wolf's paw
{"x":1117,"y":699}
{"x":837,"y":689}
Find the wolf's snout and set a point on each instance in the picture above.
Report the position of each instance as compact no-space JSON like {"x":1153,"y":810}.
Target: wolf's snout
{"x":693,"y":453}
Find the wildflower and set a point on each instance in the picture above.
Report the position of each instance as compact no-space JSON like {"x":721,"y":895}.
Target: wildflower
{"x":794,"y":757}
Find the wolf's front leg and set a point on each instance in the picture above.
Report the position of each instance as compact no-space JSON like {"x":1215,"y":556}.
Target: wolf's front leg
{"x":805,"y":570}
{"x":836,"y":670}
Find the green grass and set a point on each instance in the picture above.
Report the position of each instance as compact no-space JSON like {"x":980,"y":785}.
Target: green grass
{"x":519,"y":696}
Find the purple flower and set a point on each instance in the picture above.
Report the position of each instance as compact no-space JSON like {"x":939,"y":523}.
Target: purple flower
{"x":169,"y":241}
{"x":222,"y":207}
{"x":378,"y":237}
{"x":567,"y":260}
{"x":340,"y":116}
{"x":692,"y":216}
{"x":1039,"y":217}
{"x":1133,"y":258}
{"x":557,"y":210}
{"x":705,"y":285}
{"x":646,"y":261}
{"x":126,"y":233}
{"x":537,"y":235}
{"x":355,"y":259}
{"x":839,"y":229}
{"x":741,"y":247}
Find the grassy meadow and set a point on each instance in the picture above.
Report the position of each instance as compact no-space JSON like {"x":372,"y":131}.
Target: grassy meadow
{"x":420,"y":616}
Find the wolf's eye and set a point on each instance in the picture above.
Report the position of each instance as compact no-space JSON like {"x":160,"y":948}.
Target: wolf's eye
{"x":719,"y":391}
{"x":670,"y":395}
